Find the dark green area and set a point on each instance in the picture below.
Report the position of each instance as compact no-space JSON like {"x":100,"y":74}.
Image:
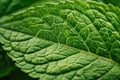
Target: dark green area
{"x":6,"y":64}
{"x":9,"y":6}
{"x":17,"y":74}
{"x":114,"y":2}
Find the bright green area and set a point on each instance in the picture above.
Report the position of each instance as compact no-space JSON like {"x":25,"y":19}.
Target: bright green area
{"x":69,"y":41}
{"x":59,"y":40}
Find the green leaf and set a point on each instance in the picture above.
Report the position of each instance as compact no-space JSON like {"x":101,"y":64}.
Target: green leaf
{"x":6,"y":65}
{"x":69,"y":41}
{"x":113,"y":2}
{"x":7,"y":8}
{"x":11,"y":6}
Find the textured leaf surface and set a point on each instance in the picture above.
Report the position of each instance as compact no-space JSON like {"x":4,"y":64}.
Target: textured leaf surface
{"x":10,"y":7}
{"x":7,"y":7}
{"x":70,"y":41}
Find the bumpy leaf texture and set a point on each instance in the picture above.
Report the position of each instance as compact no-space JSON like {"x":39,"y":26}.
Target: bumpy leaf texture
{"x":7,"y":8}
{"x":69,"y":41}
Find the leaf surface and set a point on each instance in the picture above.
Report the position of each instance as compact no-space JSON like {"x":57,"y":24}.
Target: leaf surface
{"x":12,"y":6}
{"x":114,"y":2}
{"x":7,"y":9}
{"x":69,"y":41}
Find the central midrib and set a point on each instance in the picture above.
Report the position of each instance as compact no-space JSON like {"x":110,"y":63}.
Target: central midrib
{"x":67,"y":46}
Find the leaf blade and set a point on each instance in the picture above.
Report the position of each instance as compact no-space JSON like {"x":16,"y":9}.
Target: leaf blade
{"x":43,"y":49}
